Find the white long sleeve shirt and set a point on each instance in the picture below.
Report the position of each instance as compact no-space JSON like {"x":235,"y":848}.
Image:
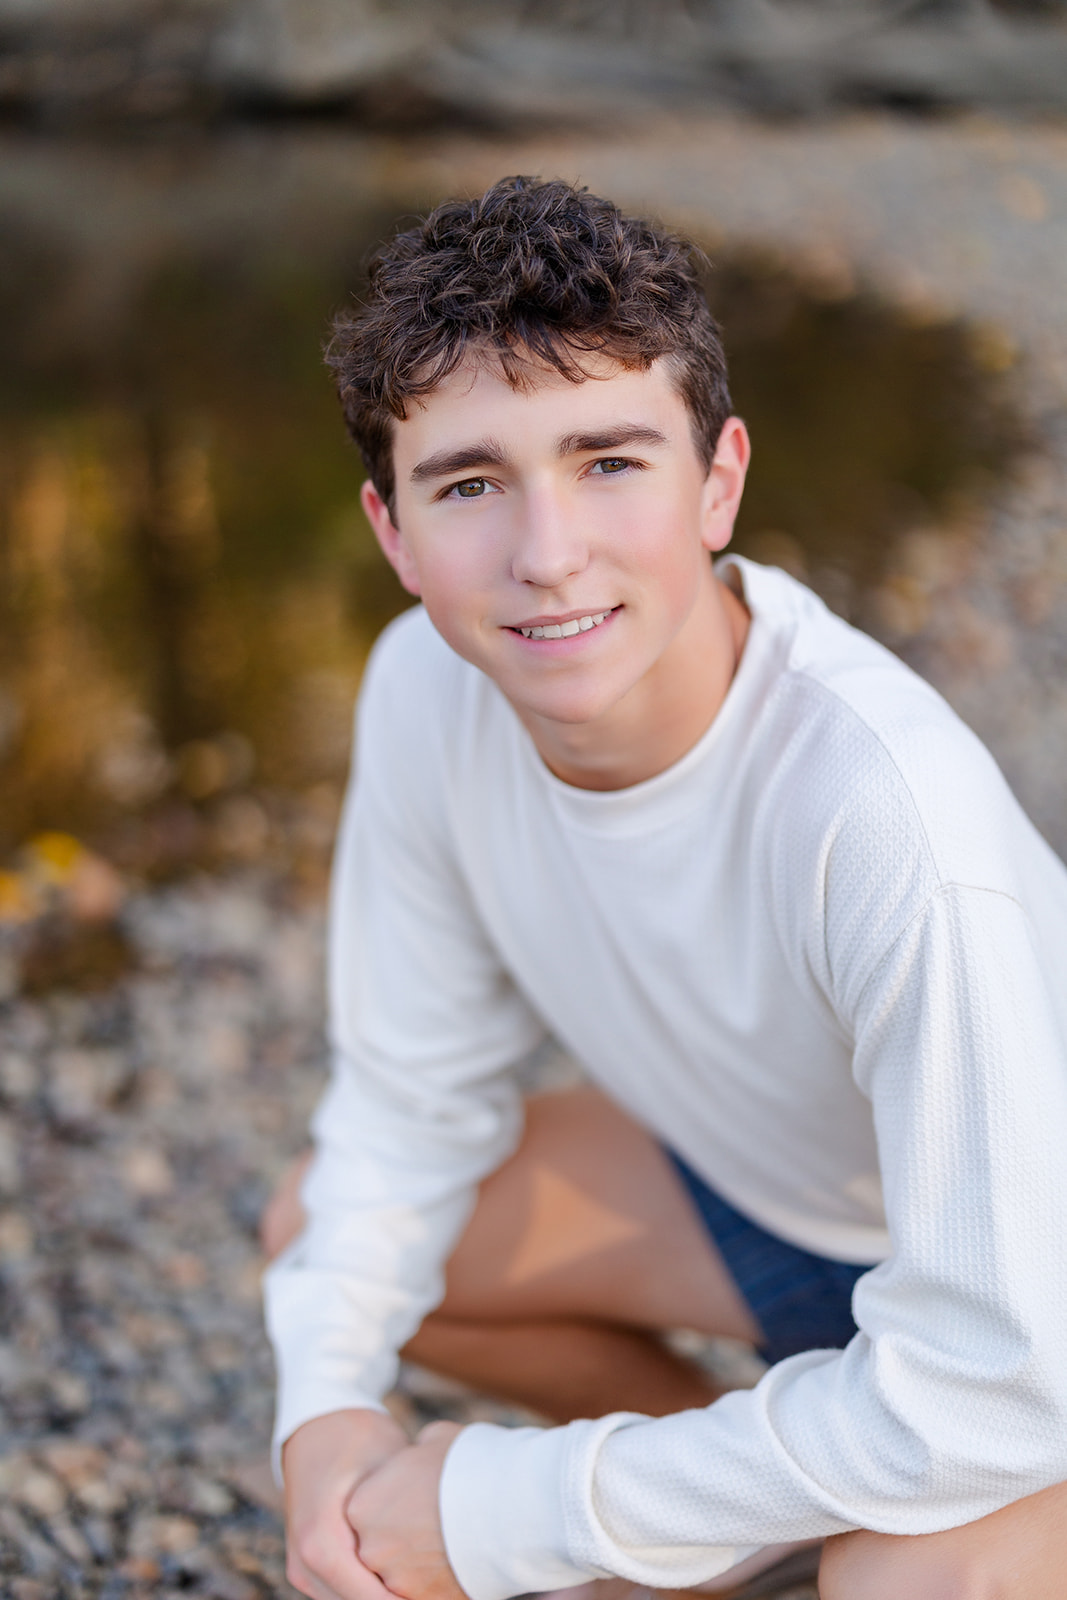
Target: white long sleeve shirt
{"x":823,"y":957}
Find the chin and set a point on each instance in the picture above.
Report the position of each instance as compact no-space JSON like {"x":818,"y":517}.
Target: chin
{"x":572,"y":710}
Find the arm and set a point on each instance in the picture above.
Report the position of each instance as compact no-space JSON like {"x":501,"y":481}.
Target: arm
{"x":422,"y":1102}
{"x":950,"y":1402}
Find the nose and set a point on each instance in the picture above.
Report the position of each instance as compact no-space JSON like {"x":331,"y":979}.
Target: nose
{"x":550,"y":543}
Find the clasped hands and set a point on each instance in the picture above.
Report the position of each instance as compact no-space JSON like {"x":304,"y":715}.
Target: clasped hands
{"x":362,"y":1509}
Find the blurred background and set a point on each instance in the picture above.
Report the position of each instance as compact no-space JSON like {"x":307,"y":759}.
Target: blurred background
{"x":189,"y":190}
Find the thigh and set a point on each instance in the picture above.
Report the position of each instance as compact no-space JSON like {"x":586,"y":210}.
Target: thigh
{"x":1018,"y":1553}
{"x":589,"y":1219}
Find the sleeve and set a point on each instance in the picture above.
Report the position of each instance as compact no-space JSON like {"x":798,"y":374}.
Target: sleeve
{"x":422,"y":1103}
{"x":949,"y":1403}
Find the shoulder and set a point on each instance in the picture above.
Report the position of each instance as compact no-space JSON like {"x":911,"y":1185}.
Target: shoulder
{"x":874,"y":794}
{"x":874,"y":753}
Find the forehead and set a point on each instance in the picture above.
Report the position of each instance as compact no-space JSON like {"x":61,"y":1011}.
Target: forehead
{"x":477,"y":400}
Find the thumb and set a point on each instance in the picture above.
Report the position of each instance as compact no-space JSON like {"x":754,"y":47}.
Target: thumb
{"x":438,"y":1433}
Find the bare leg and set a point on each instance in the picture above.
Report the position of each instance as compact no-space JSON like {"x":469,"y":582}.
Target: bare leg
{"x":1019,"y":1553}
{"x":582,"y":1250}
{"x":564,"y":1370}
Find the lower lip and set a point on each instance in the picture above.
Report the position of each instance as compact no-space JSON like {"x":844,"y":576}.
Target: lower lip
{"x":571,"y":642}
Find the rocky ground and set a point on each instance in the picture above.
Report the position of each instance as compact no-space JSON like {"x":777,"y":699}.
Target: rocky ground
{"x":141,"y":1129}
{"x":504,"y":64}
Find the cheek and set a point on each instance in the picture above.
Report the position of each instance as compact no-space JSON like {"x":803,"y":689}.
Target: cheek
{"x":444,"y":569}
{"x":453,"y":590}
{"x":659,"y":543}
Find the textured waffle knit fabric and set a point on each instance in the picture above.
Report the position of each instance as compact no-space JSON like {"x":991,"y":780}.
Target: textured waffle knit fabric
{"x":823,"y":957}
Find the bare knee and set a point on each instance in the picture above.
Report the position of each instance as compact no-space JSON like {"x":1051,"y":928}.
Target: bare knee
{"x":283,"y":1215}
{"x":877,"y":1566}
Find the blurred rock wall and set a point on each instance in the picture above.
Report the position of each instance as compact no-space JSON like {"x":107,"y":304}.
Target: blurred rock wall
{"x":499,"y":63}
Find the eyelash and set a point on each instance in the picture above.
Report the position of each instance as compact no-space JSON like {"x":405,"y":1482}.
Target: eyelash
{"x":625,"y":463}
{"x":452,"y":490}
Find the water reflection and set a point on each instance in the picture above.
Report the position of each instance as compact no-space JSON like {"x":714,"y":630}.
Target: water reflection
{"x":188,"y":588}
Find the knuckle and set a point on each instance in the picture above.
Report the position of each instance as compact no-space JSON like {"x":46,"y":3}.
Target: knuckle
{"x":434,"y":1430}
{"x":296,"y":1573}
{"x":310,"y":1549}
{"x":372,"y":1553}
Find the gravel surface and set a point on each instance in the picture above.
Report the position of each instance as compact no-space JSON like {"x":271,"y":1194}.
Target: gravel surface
{"x":141,"y":1128}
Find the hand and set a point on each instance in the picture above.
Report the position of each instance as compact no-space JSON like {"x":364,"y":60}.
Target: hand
{"x":323,"y":1461}
{"x":394,"y":1512}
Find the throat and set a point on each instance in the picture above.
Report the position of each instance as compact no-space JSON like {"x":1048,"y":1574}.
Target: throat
{"x":660,"y":719}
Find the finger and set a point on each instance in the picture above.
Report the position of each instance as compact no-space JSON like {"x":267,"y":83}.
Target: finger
{"x":323,"y":1564}
{"x":355,"y":1582}
{"x":307,"y":1584}
{"x":435,"y":1431}
{"x":305,"y":1581}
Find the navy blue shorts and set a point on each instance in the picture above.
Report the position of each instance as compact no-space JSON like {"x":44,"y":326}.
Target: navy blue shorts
{"x":800,"y":1300}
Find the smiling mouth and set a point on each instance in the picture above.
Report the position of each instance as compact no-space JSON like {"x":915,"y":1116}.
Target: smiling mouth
{"x":566,"y":630}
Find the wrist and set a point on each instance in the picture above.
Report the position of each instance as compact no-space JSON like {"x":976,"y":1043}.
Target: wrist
{"x":357,"y":1438}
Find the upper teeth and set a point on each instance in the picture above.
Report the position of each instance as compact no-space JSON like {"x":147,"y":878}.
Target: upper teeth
{"x":564,"y":630}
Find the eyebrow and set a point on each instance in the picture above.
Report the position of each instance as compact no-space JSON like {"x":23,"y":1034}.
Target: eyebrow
{"x":610,"y":438}
{"x":486,"y":453}
{"x":489,"y":453}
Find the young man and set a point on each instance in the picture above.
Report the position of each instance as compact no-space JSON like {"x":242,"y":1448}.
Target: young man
{"x":779,"y":903}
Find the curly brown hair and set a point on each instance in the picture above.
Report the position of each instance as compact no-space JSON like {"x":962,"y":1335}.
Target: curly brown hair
{"x":530,"y":274}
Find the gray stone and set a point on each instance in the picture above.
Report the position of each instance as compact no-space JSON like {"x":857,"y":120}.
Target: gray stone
{"x":18,"y":1075}
{"x":40,"y":1492}
{"x":10,"y":1177}
{"x":84,"y":1083}
{"x":72,"y":1541}
{"x":507,"y":62}
{"x":40,"y":1558}
{"x":30,"y":1589}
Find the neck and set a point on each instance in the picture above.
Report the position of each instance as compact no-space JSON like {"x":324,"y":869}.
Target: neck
{"x":664,"y":715}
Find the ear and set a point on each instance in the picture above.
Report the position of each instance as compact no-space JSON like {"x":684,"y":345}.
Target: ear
{"x":390,"y":538}
{"x":725,"y":484}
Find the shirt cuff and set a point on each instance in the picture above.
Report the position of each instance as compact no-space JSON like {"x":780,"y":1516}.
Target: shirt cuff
{"x":502,"y":1513}
{"x":519,"y":1515}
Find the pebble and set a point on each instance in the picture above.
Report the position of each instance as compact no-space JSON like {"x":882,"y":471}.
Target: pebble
{"x":25,"y":1545}
{"x":39,"y":1491}
{"x":16,"y":1237}
{"x":10,"y":1176}
{"x":18,"y":1075}
{"x":146,"y":1172}
{"x":83,"y":1083}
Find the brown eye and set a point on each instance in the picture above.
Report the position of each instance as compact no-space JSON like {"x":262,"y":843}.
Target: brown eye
{"x":471,"y":488}
{"x":613,"y":464}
